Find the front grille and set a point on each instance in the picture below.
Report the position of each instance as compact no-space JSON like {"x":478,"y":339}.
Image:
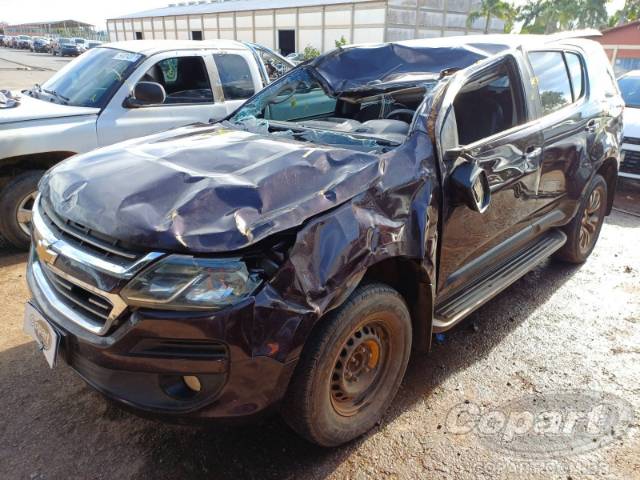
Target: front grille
{"x":631,"y":140}
{"x":95,"y":307}
{"x":85,"y":238}
{"x":631,"y":162}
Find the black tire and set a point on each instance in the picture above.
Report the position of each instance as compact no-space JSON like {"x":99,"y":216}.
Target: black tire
{"x":12,"y":198}
{"x":317,"y":404}
{"x":583,"y":231}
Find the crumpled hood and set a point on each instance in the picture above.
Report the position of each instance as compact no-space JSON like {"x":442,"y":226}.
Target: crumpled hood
{"x":205,"y":188}
{"x":34,"y":109}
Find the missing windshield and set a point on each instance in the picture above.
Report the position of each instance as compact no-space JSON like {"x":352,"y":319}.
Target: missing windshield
{"x":299,"y":107}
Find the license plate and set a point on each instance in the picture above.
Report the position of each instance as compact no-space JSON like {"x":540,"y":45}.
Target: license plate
{"x":38,"y":328}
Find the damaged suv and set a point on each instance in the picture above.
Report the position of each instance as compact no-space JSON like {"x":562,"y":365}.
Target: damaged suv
{"x":295,"y":253}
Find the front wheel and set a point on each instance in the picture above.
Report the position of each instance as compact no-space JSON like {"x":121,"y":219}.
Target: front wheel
{"x":16,"y":203}
{"x":584,"y":229}
{"x":351,"y":367}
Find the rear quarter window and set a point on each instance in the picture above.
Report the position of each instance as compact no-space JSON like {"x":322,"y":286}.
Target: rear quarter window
{"x":235,"y":76}
{"x":552,"y":80}
{"x":574,"y":65}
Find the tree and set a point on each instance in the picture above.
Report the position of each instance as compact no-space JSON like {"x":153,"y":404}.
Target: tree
{"x":549,"y":16}
{"x":340,"y":43}
{"x":310,"y":52}
{"x":628,"y":13}
{"x":492,"y":9}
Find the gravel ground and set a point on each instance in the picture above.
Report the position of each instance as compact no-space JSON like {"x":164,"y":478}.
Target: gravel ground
{"x":560,"y":328}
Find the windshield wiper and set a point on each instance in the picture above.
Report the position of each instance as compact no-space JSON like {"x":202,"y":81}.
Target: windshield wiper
{"x":56,"y":94}
{"x":33,"y":91}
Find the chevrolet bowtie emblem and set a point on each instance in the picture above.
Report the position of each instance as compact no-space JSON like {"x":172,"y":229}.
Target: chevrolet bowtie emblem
{"x":43,"y":249}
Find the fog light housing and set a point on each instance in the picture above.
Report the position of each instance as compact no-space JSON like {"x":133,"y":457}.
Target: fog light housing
{"x":180,"y":387}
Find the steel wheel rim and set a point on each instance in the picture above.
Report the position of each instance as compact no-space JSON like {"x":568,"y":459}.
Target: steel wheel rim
{"x":590,"y":220}
{"x":24,"y":213}
{"x":359,"y":368}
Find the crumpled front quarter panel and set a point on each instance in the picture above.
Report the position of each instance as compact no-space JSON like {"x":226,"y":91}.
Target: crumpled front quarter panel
{"x":395,"y":217}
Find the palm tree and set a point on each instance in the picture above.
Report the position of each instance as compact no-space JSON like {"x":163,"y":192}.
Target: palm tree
{"x":488,"y":9}
{"x":592,"y":14}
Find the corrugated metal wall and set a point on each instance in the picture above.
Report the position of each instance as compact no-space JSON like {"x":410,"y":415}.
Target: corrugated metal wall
{"x":319,"y":27}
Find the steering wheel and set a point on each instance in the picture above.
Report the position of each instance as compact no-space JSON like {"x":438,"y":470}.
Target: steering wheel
{"x":287,"y":95}
{"x":400,"y":111}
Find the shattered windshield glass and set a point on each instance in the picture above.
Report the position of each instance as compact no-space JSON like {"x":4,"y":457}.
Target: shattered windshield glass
{"x":300,"y":107}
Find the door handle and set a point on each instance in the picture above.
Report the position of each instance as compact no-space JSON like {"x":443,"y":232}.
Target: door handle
{"x":591,"y":126}
{"x":532,"y":152}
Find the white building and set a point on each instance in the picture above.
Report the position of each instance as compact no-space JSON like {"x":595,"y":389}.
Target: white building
{"x":291,"y":25}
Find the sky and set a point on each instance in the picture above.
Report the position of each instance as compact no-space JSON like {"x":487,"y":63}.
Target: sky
{"x":96,"y":12}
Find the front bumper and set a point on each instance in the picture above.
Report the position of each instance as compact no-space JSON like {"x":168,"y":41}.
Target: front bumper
{"x":142,"y":362}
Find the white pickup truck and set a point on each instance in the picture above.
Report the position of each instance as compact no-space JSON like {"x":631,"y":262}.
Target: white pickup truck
{"x":113,"y":93}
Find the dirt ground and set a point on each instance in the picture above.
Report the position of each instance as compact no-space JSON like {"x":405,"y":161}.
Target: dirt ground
{"x":20,"y":69}
{"x":560,"y":328}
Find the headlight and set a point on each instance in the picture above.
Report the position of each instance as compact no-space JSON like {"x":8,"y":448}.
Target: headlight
{"x":181,"y":282}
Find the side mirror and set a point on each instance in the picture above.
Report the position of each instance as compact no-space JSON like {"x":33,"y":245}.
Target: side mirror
{"x":471,"y":186}
{"x":145,"y":94}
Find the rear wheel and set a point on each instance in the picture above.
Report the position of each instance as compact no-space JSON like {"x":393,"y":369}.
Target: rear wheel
{"x":351,"y":367}
{"x":584,"y":229}
{"x":16,"y":204}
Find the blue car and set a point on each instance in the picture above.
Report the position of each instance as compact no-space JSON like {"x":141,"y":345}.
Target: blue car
{"x":66,"y":47}
{"x":40,"y":45}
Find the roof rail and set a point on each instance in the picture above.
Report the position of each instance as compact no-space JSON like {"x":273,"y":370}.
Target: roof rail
{"x":586,"y":32}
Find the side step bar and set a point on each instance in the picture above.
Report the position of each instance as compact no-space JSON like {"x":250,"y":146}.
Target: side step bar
{"x":454,"y":309}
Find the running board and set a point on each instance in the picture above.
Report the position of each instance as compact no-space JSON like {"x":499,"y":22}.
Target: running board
{"x":462,"y":304}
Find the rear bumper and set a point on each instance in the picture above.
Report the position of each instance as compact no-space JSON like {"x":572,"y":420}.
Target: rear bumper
{"x":142,"y":362}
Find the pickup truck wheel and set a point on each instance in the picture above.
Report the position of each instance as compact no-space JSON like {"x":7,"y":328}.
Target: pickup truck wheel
{"x":584,"y":229}
{"x":351,"y":367}
{"x":16,"y":202}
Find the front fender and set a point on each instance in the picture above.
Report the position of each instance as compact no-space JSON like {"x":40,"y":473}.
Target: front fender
{"x":396,"y":218}
{"x":67,"y":134}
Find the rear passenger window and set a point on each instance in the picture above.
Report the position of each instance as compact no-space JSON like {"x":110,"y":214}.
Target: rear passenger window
{"x":235,"y":75}
{"x":552,"y":79}
{"x":575,"y":72}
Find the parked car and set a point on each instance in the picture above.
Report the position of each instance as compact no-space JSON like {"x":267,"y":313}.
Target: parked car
{"x":56,"y":45}
{"x":2,"y":40}
{"x":93,"y":44}
{"x":630,"y":88}
{"x":112,"y":93}
{"x":295,"y":253}
{"x":69,"y":49}
{"x":40,"y":45}
{"x":23,"y":42}
{"x":81,"y":43}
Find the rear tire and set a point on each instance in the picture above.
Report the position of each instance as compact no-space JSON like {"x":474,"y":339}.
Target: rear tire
{"x":583,"y":231}
{"x":16,"y":201}
{"x":350,"y":368}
